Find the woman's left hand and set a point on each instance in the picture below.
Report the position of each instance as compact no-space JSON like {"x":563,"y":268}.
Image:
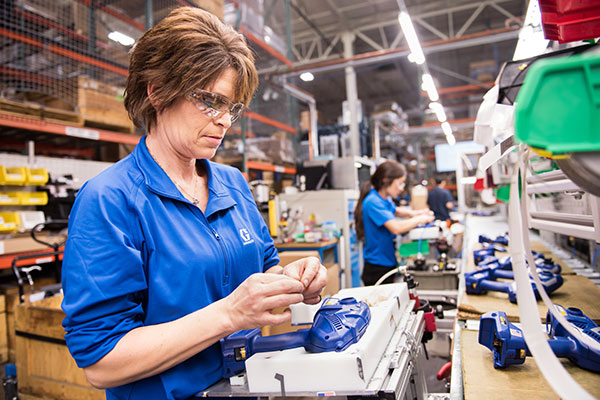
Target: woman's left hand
{"x":312,"y":274}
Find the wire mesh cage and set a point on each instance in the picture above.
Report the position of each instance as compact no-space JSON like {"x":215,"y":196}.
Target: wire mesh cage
{"x":68,"y":59}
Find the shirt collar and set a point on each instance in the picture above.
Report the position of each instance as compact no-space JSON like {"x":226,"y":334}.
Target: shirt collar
{"x":158,"y":181}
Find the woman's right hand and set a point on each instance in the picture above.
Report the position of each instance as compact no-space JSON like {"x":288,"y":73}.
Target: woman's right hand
{"x":250,"y":304}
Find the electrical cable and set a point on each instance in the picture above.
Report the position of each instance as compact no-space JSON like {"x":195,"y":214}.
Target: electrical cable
{"x":393,"y":271}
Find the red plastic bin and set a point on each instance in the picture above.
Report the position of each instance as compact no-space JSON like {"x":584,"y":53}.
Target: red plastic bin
{"x":570,"y":20}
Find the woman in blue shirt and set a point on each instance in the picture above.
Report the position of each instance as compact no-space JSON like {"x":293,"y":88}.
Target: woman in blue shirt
{"x":377,"y":221}
{"x":167,"y":251}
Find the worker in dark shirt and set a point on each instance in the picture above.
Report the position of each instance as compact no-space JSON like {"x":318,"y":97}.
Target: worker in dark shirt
{"x":440,"y":201}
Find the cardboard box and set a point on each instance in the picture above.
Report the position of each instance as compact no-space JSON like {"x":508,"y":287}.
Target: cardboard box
{"x":418,"y":197}
{"x":45,"y":366}
{"x":26,"y":243}
{"x":287,"y":257}
{"x":333,"y":280}
{"x":332,"y":287}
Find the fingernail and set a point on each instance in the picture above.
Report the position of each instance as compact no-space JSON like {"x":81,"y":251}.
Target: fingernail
{"x":305,"y":282}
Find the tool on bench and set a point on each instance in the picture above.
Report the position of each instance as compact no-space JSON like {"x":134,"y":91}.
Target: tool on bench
{"x":508,"y":344}
{"x":505,"y":263}
{"x":483,"y":280}
{"x":336,"y":325}
{"x":501,"y":239}
{"x":487,"y":252}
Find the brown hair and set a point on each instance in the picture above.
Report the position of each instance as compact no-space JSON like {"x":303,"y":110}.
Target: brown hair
{"x":189,"y":49}
{"x":383,"y":177}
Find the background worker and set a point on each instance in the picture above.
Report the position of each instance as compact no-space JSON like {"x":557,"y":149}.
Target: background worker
{"x":167,"y":251}
{"x":439,"y":200}
{"x":378,"y":220}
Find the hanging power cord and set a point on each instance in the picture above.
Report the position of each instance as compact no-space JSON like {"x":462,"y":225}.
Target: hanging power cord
{"x":399,"y":269}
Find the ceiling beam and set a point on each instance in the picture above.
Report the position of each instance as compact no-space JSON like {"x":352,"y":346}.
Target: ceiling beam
{"x":480,"y":38}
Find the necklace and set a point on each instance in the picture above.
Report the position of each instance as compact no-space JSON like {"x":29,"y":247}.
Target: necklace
{"x":194,"y":197}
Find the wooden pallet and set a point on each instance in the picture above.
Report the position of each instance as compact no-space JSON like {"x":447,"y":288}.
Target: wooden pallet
{"x":39,"y":112}
{"x":101,"y":106}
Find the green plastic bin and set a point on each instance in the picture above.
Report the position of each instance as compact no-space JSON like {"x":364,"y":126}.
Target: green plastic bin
{"x":558,"y":106}
{"x":409,"y":249}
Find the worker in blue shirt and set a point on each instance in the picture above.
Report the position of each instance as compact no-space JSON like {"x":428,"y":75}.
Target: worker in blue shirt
{"x":439,"y":200}
{"x":378,"y":220}
{"x":167,"y":251}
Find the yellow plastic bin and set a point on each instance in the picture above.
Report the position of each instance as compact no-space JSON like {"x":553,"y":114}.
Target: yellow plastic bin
{"x":9,"y":199}
{"x":33,"y":198}
{"x":9,"y":222}
{"x":12,"y":175}
{"x":36,"y":176}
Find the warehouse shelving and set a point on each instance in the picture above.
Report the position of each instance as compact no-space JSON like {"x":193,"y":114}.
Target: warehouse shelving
{"x":80,"y":51}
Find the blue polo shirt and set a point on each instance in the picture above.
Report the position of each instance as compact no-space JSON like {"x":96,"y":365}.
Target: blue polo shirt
{"x":379,"y":241}
{"x":139,"y":253}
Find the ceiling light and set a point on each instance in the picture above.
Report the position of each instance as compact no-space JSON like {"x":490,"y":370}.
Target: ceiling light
{"x":121,"y":38}
{"x":429,"y":87}
{"x":416,"y":53}
{"x":307,"y":76}
{"x":438,"y":109}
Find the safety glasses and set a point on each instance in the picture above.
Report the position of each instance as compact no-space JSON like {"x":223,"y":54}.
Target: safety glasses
{"x":214,"y":104}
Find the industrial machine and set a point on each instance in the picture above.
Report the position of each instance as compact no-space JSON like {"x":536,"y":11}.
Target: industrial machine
{"x":507,"y":343}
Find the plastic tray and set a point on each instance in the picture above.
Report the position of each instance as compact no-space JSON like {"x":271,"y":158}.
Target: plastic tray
{"x":9,"y":199}
{"x":12,"y":175}
{"x":9,"y":222}
{"x":33,"y":198}
{"x":36,"y":176}
{"x":570,"y":20}
{"x":558,"y":106}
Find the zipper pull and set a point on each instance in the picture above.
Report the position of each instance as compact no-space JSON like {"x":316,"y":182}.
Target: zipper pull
{"x":217,"y":236}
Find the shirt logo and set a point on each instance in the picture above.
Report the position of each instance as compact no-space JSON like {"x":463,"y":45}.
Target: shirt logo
{"x":245,"y":235}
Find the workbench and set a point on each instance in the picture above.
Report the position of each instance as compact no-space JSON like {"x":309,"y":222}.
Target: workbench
{"x":473,"y":374}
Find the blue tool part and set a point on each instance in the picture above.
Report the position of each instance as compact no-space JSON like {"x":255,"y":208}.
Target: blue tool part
{"x":487,"y":251}
{"x":501,"y":239}
{"x":509,"y":347}
{"x":483,"y":280}
{"x":336,"y":325}
{"x":567,"y":346}
{"x":544,"y":263}
{"x":503,"y":338}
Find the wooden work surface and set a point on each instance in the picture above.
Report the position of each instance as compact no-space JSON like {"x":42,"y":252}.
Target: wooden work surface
{"x":535,"y":246}
{"x":482,"y":381}
{"x":576,"y":291}
{"x":310,"y":245}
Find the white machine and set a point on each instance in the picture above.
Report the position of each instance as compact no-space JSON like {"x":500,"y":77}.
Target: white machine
{"x":385,"y":361}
